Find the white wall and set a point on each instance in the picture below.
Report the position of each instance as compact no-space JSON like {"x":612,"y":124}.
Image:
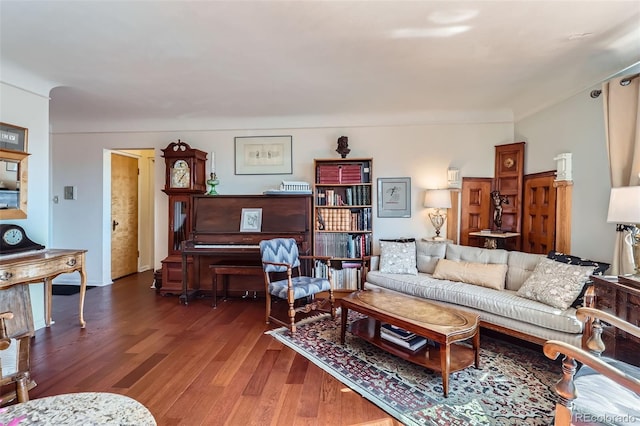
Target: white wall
{"x":576,"y":126}
{"x":420,"y":152}
{"x":31,"y":110}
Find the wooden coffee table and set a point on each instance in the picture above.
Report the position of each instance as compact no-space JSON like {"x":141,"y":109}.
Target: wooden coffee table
{"x":441,"y":324}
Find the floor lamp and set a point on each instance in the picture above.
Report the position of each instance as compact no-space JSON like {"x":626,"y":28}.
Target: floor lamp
{"x":624,"y":208}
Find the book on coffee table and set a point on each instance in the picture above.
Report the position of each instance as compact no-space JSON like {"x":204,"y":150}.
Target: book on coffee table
{"x":402,"y":337}
{"x":396,"y":331}
{"x":413,"y":344}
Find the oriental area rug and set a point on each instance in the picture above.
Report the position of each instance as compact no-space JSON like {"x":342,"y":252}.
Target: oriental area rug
{"x":512,"y":387}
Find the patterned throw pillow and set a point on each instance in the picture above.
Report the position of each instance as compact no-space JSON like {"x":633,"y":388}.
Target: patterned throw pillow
{"x":398,"y":257}
{"x":600,"y":267}
{"x":554,"y":283}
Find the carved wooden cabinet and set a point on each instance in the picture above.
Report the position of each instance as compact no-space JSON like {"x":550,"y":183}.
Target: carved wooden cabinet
{"x":508,"y":180}
{"x":621,"y":297}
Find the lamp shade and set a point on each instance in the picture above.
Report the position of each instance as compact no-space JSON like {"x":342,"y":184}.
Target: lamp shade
{"x":624,"y":205}
{"x":437,"y":199}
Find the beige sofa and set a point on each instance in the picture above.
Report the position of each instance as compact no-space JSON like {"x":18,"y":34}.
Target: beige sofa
{"x":489,"y":283}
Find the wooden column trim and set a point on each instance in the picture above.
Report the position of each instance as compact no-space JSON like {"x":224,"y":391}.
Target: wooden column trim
{"x":452,"y":216}
{"x":564,"y":189}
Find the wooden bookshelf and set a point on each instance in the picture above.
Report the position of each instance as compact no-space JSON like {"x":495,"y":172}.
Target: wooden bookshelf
{"x":343,"y":214}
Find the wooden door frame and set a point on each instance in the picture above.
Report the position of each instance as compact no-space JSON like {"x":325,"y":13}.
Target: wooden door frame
{"x":106,"y":202}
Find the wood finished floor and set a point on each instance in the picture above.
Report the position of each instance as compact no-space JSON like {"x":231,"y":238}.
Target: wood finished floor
{"x":190,"y":365}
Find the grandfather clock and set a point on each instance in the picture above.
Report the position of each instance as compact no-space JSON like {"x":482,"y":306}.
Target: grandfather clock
{"x":184,"y":176}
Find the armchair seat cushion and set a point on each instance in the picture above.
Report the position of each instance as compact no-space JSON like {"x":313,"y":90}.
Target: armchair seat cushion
{"x":302,"y":287}
{"x":602,"y":400}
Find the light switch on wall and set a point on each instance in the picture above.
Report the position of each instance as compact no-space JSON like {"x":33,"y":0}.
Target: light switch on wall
{"x":70,"y":193}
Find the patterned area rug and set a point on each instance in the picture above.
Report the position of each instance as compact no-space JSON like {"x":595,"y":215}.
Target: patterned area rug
{"x":512,"y":387}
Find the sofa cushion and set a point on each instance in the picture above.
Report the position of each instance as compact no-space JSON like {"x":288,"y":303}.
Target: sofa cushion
{"x":398,"y":257}
{"x":427,"y":255}
{"x":554,"y":283}
{"x":521,"y":265}
{"x":483,"y":274}
{"x":476,"y":254}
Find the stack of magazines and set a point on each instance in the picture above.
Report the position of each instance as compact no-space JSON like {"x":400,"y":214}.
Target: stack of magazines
{"x":402,"y":337}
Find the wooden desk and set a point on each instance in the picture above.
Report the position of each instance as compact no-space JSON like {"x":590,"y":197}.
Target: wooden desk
{"x":495,"y":239}
{"x":44,"y":266}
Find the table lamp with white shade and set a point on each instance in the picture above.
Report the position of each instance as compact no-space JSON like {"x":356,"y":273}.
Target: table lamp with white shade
{"x":624,"y":208}
{"x":437,"y":199}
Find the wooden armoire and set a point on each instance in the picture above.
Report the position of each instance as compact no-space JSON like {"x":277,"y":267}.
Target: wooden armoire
{"x":538,"y":207}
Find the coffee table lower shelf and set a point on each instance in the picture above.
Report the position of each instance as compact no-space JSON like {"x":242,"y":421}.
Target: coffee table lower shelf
{"x":433,"y":358}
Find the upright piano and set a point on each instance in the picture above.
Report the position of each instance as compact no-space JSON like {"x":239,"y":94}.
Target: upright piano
{"x":219,"y":236}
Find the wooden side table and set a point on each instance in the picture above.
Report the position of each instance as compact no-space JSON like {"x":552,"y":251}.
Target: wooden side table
{"x":619,"y":296}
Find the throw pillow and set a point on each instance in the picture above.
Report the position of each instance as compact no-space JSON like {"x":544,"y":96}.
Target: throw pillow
{"x":600,"y":269}
{"x":555,"y":284}
{"x":427,"y":255}
{"x":398,"y":257}
{"x":491,"y":275}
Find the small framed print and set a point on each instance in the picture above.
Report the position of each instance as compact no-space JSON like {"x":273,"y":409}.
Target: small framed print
{"x":394,"y":197}
{"x":251,"y":220}
{"x":263,"y":155}
{"x":13,"y":137}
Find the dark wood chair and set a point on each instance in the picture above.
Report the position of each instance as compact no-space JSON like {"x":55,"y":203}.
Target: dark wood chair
{"x":16,"y":331}
{"x":602,"y":389}
{"x":280,"y":256}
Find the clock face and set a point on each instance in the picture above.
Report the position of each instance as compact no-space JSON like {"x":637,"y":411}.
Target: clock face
{"x":12,"y":236}
{"x":509,"y":162}
{"x":180,"y":174}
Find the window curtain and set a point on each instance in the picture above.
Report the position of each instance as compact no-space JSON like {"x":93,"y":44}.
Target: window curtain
{"x":622,"y":127}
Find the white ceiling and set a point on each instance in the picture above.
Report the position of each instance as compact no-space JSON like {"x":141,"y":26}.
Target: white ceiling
{"x":169,"y":60}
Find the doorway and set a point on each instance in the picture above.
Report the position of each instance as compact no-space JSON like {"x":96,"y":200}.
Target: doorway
{"x":132,"y":211}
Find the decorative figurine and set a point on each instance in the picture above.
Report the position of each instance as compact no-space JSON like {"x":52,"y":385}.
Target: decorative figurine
{"x":343,"y":146}
{"x":212,"y":183}
{"x":498,"y":201}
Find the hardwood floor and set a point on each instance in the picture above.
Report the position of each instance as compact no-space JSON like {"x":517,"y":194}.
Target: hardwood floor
{"x":190,"y":365}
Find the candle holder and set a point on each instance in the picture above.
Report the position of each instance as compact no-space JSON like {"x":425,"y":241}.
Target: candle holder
{"x":212,"y":183}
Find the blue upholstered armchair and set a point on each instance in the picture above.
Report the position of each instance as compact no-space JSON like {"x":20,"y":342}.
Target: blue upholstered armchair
{"x":604,"y":390}
{"x":279,"y":257}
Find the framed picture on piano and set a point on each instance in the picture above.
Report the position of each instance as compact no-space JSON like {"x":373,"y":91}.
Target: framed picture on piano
{"x":251,"y":220}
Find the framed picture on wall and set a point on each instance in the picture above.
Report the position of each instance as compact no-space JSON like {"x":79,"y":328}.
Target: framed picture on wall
{"x":263,"y":155}
{"x":394,"y":197}
{"x":13,"y":137}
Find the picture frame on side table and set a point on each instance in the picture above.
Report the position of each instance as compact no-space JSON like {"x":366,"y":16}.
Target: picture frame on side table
{"x":13,"y":137}
{"x":394,"y":197}
{"x":263,"y":155}
{"x":251,"y":220}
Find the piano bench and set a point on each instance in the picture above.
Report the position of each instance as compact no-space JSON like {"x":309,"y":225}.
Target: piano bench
{"x":225,"y":271}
